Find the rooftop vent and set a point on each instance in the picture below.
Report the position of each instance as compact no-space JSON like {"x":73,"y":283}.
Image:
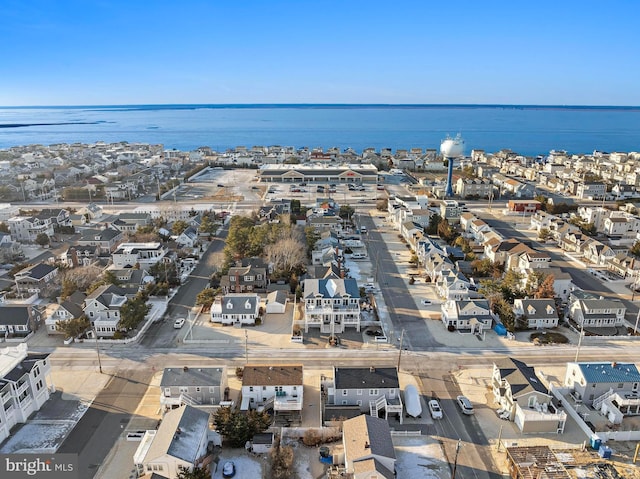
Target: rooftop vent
{"x":185,"y":368}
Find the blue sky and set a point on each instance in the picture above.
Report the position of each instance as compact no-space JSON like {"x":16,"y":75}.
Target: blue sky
{"x":63,"y":52}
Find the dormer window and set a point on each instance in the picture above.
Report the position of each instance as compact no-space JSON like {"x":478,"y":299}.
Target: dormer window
{"x":247,"y":305}
{"x":229,"y":305}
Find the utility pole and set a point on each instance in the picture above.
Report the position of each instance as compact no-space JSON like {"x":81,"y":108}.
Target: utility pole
{"x":246,"y":346}
{"x":95,"y":334}
{"x":400,"y":352}
{"x":635,"y":328}
{"x":455,"y":461}
{"x":580,"y":339}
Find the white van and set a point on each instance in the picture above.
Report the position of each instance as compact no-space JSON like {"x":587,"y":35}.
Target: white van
{"x":358,"y":255}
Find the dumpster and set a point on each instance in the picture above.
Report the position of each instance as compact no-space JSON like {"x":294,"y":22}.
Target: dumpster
{"x":604,"y":452}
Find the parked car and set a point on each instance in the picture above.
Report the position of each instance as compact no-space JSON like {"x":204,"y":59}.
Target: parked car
{"x":465,"y":405}
{"x":228,"y":469}
{"x":435,"y":409}
{"x":426,"y":302}
{"x":178,"y":323}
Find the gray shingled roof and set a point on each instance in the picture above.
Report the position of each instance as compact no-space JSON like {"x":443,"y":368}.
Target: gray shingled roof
{"x":359,"y":378}
{"x":192,"y":376}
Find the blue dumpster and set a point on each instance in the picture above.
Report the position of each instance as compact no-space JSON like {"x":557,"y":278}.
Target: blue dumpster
{"x":604,"y":452}
{"x":500,"y":329}
{"x":595,"y":442}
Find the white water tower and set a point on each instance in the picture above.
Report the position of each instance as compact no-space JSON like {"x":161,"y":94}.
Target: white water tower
{"x":451,"y":149}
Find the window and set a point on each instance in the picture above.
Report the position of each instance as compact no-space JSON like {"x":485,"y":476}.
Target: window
{"x":250,"y":389}
{"x":344,"y":392}
{"x":359,"y":392}
{"x":373,"y":392}
{"x":212,"y":389}
{"x":620,"y":385}
{"x":198,"y":389}
{"x":359,"y":402}
{"x":184,"y":389}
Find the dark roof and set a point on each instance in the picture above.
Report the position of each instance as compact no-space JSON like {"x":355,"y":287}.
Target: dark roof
{"x":39,"y":271}
{"x":25,"y":366}
{"x":263,"y":438}
{"x":359,"y":378}
{"x":524,"y":377}
{"x":14,"y":315}
{"x":192,"y":376}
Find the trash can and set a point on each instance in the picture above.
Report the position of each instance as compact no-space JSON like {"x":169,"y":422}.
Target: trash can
{"x":595,"y":442}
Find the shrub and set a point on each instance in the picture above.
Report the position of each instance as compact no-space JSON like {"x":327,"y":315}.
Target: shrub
{"x":311,"y":438}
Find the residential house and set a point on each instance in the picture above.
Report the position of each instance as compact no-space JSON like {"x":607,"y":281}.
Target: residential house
{"x":106,"y":239}
{"x":470,"y":316}
{"x":18,"y":321}
{"x":473,"y":187}
{"x":38,"y":278}
{"x":536,"y":313}
{"x":368,"y":448}
{"x":498,"y":252}
{"x":57,"y":217}
{"x":612,"y":388}
{"x":179,"y":443}
{"x":26,"y":229}
{"x":524,"y":399}
{"x":597,"y":252}
{"x":25,"y":386}
{"x":193,"y":386}
{"x":236,"y":308}
{"x":452,"y":285}
{"x":127,"y":255}
{"x":129,"y":222}
{"x":623,"y":265}
{"x":76,"y":256}
{"x":250,"y":275}
{"x":131,"y":278}
{"x":276,"y":386}
{"x":70,"y":308}
{"x":331,"y":304}
{"x":102,"y":308}
{"x":374,"y":390}
{"x":591,"y":191}
{"x":188,"y":238}
{"x":533,"y":260}
{"x":597,"y":313}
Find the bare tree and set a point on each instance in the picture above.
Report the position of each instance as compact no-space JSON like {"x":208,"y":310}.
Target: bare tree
{"x":287,"y":254}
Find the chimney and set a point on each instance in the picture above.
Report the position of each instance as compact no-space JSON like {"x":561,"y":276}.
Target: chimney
{"x":185,"y":368}
{"x":372,"y":369}
{"x":614,"y":364}
{"x":366,"y":445}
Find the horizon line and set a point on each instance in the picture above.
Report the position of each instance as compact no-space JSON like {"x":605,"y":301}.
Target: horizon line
{"x":271,"y":105}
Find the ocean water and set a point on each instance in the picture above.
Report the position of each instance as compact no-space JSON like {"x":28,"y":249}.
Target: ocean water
{"x":528,"y":130}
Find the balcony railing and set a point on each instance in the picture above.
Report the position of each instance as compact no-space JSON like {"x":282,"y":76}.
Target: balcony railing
{"x":287,"y":403}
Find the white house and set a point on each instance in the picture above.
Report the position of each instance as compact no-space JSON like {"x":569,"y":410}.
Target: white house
{"x":179,"y":443}
{"x":102,"y":308}
{"x":276,"y":386}
{"x":536,"y":313}
{"x":25,"y":385}
{"x":471,"y":316}
{"x":597,"y":313}
{"x":524,"y":399}
{"x":236,"y":308}
{"x":331,"y":304}
{"x":128,"y":255}
{"x":612,"y":388}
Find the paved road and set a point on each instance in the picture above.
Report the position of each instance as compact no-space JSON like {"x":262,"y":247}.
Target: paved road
{"x":100,"y":427}
{"x":400,"y":303}
{"x":163,"y":334}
